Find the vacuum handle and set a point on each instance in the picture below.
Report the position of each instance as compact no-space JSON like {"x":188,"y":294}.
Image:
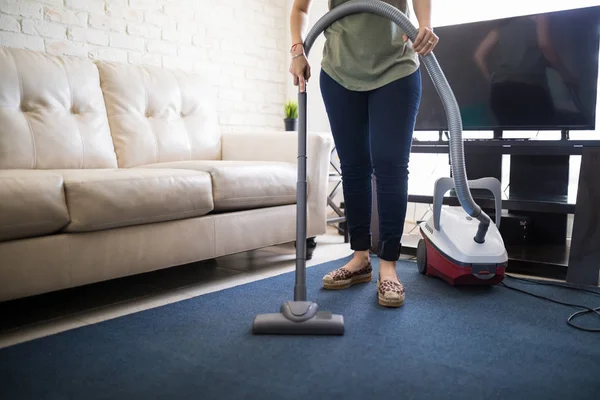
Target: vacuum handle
{"x":493,"y":185}
{"x":444,"y":184}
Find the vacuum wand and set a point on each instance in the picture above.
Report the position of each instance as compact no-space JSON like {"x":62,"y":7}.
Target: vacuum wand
{"x":301,"y":193}
{"x":300,"y":317}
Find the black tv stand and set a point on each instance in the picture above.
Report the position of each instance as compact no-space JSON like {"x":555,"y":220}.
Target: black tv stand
{"x":498,"y":133}
{"x":441,"y":134}
{"x":564,"y":134}
{"x":538,"y":190}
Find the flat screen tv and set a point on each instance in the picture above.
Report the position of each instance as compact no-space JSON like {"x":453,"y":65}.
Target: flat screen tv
{"x":534,"y":72}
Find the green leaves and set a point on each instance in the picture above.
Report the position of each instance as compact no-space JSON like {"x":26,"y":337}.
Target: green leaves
{"x":291,"y":109}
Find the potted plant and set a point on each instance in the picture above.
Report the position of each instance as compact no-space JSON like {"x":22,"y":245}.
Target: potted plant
{"x":291,"y":115}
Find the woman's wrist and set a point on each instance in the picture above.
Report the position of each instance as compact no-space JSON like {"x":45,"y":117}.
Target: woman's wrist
{"x":424,"y":22}
{"x":297,"y":49}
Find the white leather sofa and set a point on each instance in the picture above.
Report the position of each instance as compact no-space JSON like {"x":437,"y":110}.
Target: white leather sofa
{"x":109,"y":170}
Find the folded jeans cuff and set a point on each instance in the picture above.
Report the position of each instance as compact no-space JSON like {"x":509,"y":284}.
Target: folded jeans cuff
{"x":390,"y":250}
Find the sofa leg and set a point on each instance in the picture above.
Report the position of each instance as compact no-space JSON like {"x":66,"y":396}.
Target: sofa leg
{"x":311,"y":244}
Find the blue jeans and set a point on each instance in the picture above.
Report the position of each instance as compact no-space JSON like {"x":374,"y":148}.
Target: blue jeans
{"x":372,"y":132}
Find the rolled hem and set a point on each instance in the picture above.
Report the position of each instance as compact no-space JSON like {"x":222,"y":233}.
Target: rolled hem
{"x":390,"y":250}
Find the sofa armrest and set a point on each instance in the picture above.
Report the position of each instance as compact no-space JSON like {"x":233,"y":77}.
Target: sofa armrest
{"x":283,"y":147}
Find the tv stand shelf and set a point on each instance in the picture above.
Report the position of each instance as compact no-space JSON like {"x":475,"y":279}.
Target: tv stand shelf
{"x":537,"y":189}
{"x":529,"y":147}
{"x":555,"y":204}
{"x":553,"y":260}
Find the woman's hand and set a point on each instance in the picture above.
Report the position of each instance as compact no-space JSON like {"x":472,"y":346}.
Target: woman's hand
{"x":425,"y":42}
{"x":299,"y":67}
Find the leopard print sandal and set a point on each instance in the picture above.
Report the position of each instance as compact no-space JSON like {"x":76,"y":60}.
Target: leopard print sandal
{"x":390,"y":293}
{"x":342,"y":278}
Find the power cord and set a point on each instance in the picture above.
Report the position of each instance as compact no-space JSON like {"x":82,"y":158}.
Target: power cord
{"x":585,"y":310}
{"x":420,"y":220}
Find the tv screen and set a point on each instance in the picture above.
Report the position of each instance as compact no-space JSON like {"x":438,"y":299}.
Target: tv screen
{"x":534,"y":72}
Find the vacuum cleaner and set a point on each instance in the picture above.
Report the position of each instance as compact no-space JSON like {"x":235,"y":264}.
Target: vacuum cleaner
{"x":303,"y":317}
{"x":448,"y":249}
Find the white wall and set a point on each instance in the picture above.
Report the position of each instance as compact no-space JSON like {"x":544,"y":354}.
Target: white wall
{"x":239,"y":42}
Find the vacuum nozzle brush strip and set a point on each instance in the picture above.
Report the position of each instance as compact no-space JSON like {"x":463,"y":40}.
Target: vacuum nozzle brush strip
{"x":438,"y":78}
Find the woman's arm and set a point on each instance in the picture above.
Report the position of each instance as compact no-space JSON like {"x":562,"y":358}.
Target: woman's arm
{"x":423,"y":12}
{"x":426,"y":40}
{"x":299,"y":20}
{"x":299,"y":67}
{"x":486,"y":45}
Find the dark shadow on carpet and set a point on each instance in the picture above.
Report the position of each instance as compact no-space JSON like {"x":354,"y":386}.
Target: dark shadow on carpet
{"x":445,"y":343}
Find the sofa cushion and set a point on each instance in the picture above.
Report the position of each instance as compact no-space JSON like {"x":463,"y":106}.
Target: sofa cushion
{"x":239,"y":185}
{"x":111,"y":198}
{"x":32,"y":203}
{"x":158,"y":115}
{"x":52,"y":113}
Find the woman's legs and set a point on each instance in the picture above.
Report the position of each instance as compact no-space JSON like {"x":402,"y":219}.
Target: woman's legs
{"x":392,"y":115}
{"x":373,"y":132}
{"x":348,"y":113}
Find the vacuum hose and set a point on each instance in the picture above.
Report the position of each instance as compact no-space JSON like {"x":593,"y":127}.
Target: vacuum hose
{"x":457,"y":158}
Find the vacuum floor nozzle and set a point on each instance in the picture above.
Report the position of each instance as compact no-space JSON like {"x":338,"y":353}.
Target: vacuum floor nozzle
{"x":298,"y":318}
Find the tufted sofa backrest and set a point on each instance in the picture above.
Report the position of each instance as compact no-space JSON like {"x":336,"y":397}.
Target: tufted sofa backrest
{"x":159,"y":115}
{"x":73,"y":113}
{"x":52,"y":113}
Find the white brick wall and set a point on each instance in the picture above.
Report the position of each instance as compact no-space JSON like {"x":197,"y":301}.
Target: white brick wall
{"x":241,"y":43}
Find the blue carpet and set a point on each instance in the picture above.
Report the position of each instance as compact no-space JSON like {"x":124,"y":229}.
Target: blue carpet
{"x":445,"y":343}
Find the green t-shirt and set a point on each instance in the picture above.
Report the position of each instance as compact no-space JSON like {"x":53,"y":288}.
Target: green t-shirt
{"x":365,"y":51}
